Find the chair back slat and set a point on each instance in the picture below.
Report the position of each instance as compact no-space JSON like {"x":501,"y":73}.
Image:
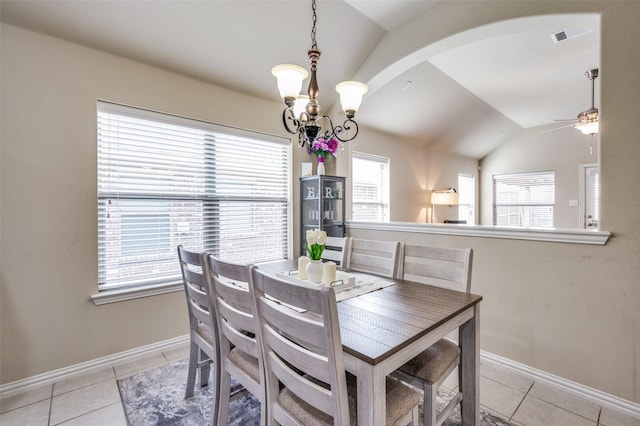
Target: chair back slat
{"x":190,"y":257}
{"x":287,"y":353}
{"x":235,"y":293}
{"x":239,"y":338}
{"x":198,"y":302}
{"x":335,"y":250}
{"x":443,"y":267}
{"x":309,"y":391}
{"x":377,"y":257}
{"x":289,"y":322}
{"x":194,"y":276}
{"x":303,"y":356}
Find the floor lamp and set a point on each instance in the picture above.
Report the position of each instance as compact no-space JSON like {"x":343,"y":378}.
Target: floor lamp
{"x":443,"y":197}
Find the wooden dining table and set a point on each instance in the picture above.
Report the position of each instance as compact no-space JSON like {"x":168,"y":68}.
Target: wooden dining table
{"x":383,"y":329}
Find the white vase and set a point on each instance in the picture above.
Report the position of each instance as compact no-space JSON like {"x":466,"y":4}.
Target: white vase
{"x":320,"y":170}
{"x":315,"y":270}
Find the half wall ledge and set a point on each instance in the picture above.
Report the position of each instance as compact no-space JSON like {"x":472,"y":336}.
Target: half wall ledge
{"x":574,"y":236}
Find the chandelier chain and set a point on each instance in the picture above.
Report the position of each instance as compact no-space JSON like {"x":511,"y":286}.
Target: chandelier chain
{"x":314,"y":44}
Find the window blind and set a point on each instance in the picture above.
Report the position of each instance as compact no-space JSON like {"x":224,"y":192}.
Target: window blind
{"x":466,"y":197}
{"x":524,"y":199}
{"x":370,"y":188}
{"x":165,"y":180}
{"x":592,"y":196}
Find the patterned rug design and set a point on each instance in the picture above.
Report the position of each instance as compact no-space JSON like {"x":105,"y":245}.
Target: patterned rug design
{"x":156,"y":398}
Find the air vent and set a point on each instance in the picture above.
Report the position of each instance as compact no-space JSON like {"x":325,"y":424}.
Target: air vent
{"x":564,"y":35}
{"x":559,"y":36}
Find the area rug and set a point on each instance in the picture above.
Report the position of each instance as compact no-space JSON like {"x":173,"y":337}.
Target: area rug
{"x":156,"y":397}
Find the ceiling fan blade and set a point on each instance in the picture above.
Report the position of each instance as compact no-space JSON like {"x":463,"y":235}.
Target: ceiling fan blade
{"x":555,"y":128}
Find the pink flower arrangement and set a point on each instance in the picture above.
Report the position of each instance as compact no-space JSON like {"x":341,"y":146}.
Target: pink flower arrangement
{"x":321,"y":147}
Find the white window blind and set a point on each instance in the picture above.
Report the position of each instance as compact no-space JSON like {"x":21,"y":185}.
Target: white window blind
{"x":467,"y":198}
{"x":524,"y":199}
{"x":165,"y":180}
{"x":370,"y":188}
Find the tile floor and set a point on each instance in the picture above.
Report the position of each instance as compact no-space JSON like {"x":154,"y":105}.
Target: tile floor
{"x":93,"y":399}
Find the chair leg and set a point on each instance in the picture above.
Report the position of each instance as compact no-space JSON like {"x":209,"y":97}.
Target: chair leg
{"x":264,"y":418}
{"x":193,"y":366}
{"x":430,"y":404}
{"x":215,"y":406}
{"x":415,"y":416}
{"x":204,"y":363}
{"x":223,"y":398}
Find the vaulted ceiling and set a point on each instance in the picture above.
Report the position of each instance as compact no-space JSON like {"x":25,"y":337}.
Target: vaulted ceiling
{"x":465,"y":95}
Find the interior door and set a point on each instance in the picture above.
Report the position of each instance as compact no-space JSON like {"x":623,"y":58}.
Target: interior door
{"x":590,"y":192}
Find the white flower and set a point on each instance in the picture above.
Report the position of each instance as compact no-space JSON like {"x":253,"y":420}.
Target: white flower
{"x":311,"y":237}
{"x":315,"y":243}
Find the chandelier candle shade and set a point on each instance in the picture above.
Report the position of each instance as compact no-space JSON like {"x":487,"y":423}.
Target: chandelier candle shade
{"x":302,"y":113}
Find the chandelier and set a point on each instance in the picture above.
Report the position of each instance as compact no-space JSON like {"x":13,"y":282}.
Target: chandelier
{"x":302,"y":113}
{"x":588,"y":120}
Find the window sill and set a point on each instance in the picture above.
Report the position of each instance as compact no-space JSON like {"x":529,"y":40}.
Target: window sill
{"x":575,"y":236}
{"x":112,"y":296}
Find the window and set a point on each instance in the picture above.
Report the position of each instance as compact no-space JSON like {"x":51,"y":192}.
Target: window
{"x":166,"y":180}
{"x":524,"y":199}
{"x":590,"y":196}
{"x":370,"y":188}
{"x":467,"y":198}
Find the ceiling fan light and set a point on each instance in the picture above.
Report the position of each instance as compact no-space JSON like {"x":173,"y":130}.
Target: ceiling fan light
{"x":590,"y":128}
{"x":588,"y":122}
{"x":351,"y":93}
{"x":289,"y":80}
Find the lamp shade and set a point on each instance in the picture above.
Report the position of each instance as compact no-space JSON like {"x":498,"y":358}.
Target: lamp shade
{"x":289,"y":79}
{"x":351,"y":93}
{"x":444,"y":198}
{"x":301,"y":104}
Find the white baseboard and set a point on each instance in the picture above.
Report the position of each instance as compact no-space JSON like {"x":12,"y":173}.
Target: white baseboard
{"x":585,"y":392}
{"x":599,"y":397}
{"x":20,"y":386}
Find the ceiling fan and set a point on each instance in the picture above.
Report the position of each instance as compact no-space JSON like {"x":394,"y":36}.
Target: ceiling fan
{"x":587,"y":121}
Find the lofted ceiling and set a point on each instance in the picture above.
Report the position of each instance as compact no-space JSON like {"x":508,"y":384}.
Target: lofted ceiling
{"x":466,"y":97}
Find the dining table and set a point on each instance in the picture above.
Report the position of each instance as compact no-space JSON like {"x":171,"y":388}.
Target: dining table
{"x":391,"y":321}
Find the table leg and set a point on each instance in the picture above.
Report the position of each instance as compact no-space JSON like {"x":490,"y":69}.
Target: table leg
{"x":470,"y":369}
{"x":371,"y":395}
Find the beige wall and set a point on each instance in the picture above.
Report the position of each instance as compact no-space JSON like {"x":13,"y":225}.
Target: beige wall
{"x":539,"y":149}
{"x":49,"y":200}
{"x":568,"y":309}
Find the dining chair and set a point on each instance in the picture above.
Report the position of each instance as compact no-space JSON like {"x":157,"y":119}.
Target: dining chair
{"x":376,"y":257}
{"x":305,"y":376}
{"x":240,"y":356}
{"x":442,"y":267}
{"x":336,"y":249}
{"x":203,"y":329}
